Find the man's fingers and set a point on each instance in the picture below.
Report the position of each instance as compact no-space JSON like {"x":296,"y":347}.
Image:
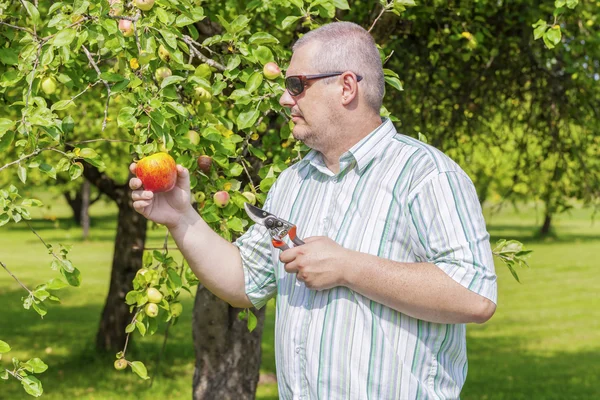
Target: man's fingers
{"x":140,"y":205}
{"x":142,"y":195}
{"x":183,"y":177}
{"x":132,"y":167}
{"x":292,"y":268}
{"x":135,"y":183}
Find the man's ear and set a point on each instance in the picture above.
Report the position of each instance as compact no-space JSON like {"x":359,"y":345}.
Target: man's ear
{"x":349,"y":87}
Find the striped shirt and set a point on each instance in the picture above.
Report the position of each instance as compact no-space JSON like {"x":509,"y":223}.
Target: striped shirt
{"x":394,"y":197}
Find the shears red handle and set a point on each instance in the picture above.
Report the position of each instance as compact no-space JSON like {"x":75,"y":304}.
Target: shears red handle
{"x":281,"y":245}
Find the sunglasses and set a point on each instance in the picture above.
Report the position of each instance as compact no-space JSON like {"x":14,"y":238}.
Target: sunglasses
{"x":296,"y":84}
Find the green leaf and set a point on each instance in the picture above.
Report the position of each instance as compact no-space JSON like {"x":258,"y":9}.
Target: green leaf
{"x":40,"y":308}
{"x":6,"y":140}
{"x":235,"y":169}
{"x":64,"y":37}
{"x":9,"y":56}
{"x":257,"y":152}
{"x":394,"y":82}
{"x":126,"y":118}
{"x":539,"y":31}
{"x":174,"y":279}
{"x":247,"y":118}
{"x":252,"y":321}
{"x":62,"y":105}
{"x":178,"y":108}
{"x":111,"y":77}
{"x":171,"y":80}
{"x":130,"y":328}
{"x":141,"y":327}
{"x":48,"y":169}
{"x":553,"y":36}
{"x":263,"y":54}
{"x":170,"y":38}
{"x":4,"y":347}
{"x":139,"y":368}
{"x":5,"y":125}
{"x":341,"y":4}
{"x":262,"y":38}
{"x":56,"y":284}
{"x":32,"y":11}
{"x":560,"y":3}
{"x":287,"y":21}
{"x":22,"y":173}
{"x":233,"y":62}
{"x":254,"y":81}
{"x":73,"y":278}
{"x":75,"y":171}
{"x":32,"y":386}
{"x":88,"y":153}
{"x":572,"y":3}
{"x":235,"y":224}
{"x":37,"y":366}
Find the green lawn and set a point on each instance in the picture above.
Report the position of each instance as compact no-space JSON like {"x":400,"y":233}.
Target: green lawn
{"x":543,"y":342}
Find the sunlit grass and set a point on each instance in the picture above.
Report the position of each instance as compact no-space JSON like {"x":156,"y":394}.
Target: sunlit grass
{"x":543,"y":342}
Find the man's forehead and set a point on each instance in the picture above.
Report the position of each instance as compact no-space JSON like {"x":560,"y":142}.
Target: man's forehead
{"x":302,"y":60}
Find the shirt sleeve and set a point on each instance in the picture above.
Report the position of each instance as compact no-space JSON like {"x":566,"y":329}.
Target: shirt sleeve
{"x":257,"y":261}
{"x":448,"y":229}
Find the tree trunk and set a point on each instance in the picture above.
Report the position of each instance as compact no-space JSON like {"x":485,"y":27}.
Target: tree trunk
{"x":127,"y":259}
{"x":85,"y":207}
{"x":227,"y":354}
{"x":545,"y":230}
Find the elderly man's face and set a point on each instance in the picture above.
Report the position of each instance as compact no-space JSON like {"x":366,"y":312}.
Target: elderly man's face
{"x":313,"y":110}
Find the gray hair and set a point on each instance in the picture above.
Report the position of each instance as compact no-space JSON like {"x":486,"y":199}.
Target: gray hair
{"x":346,"y":46}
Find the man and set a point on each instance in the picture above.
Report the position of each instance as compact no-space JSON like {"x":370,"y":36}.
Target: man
{"x":397,"y":257}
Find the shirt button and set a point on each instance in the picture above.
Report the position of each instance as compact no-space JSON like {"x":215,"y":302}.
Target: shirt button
{"x":297,"y":350}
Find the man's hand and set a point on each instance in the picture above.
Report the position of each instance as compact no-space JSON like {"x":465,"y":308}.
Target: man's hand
{"x":165,"y":208}
{"x":319,"y":263}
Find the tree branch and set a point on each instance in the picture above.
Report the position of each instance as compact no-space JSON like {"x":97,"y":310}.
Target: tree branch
{"x":192,"y":43}
{"x":15,"y":278}
{"x":95,"y":66}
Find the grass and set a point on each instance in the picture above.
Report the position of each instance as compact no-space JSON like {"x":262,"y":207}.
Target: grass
{"x":543,"y":342}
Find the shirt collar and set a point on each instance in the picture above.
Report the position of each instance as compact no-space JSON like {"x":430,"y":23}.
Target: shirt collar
{"x":361,"y":153}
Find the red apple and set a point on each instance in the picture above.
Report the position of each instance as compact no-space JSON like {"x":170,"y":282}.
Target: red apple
{"x":157,"y":172}
{"x":126,"y":27}
{"x":271,"y":70}
{"x":144,"y":5}
{"x":221,"y":199}
{"x":204,"y":163}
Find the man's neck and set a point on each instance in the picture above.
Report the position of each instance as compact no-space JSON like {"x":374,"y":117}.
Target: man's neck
{"x":331,"y":157}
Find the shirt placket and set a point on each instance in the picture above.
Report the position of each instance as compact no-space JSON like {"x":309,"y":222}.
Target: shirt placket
{"x":325,"y":217}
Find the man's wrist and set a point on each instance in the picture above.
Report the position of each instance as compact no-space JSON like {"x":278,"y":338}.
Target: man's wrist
{"x":188,"y":218}
{"x":350,"y":267}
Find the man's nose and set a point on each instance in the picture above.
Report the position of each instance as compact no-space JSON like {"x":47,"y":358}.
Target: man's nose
{"x":286,"y":99}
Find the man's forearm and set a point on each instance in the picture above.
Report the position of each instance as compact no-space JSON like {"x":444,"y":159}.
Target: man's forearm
{"x":215,"y":261}
{"x":420,"y":290}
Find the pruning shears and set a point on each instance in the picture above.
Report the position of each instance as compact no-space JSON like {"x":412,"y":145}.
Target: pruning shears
{"x":277,"y":227}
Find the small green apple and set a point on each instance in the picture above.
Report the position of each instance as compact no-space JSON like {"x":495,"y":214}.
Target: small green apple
{"x":144,"y":5}
{"x":193,"y":137}
{"x":49,"y":85}
{"x":126,"y":27}
{"x":164,"y":54}
{"x":271,"y":70}
{"x":154,"y":296}
{"x":161,"y":73}
{"x":120,"y":364}
{"x":176,"y":309}
{"x":151,"y":310}
{"x":202,"y":94}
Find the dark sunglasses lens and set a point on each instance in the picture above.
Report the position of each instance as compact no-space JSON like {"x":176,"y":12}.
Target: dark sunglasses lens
{"x":294,"y":85}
